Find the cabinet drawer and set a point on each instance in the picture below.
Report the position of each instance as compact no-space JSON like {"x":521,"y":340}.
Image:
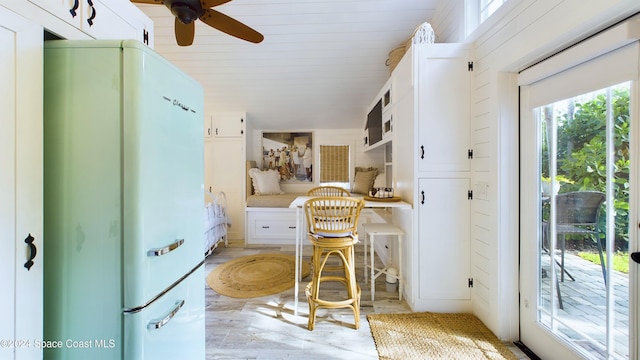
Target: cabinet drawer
{"x":278,"y":227}
{"x":272,"y":226}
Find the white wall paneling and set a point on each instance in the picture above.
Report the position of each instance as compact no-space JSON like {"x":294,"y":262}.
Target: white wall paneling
{"x":545,"y":28}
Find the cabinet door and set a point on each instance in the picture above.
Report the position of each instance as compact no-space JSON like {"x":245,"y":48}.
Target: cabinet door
{"x":229,"y":125}
{"x":226,"y":164}
{"x":443,"y":108}
{"x":20,"y":186}
{"x":142,"y":24}
{"x":208,"y":126}
{"x":443,"y":239}
{"x":101,"y":22}
{"x":67,"y":10}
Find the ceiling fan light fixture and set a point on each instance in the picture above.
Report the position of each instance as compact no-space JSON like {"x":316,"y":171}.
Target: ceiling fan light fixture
{"x":185,"y":13}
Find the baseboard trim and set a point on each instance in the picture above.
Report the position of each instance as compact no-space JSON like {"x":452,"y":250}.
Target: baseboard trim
{"x":530,"y":354}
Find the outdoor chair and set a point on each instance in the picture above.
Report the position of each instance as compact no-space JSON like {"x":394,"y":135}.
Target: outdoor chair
{"x":578,"y":213}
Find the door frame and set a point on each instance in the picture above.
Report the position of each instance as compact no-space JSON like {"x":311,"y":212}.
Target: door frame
{"x":543,"y":342}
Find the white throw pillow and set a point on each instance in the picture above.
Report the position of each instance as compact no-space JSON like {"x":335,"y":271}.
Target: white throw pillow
{"x":265,"y":182}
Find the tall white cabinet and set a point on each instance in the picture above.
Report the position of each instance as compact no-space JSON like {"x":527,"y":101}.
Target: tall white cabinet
{"x":225,"y":144}
{"x":432,"y":171}
{"x":21,"y":167}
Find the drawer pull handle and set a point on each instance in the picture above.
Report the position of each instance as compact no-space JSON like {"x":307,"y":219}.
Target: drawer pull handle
{"x":292,"y":227}
{"x":265,"y":227}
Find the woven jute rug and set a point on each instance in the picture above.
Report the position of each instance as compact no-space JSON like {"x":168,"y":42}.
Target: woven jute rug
{"x":434,"y":336}
{"x":255,"y":275}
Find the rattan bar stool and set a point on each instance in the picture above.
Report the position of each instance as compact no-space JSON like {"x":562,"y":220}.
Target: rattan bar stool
{"x":332,"y":230}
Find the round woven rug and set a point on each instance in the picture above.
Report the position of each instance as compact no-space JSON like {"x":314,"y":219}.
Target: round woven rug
{"x":255,"y":275}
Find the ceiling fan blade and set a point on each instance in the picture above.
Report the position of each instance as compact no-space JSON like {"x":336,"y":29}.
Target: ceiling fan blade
{"x":156,"y":2}
{"x":184,"y":32}
{"x":230,"y":26}
{"x":211,"y":3}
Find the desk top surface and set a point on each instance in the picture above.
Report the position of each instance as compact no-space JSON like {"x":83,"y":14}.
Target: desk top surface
{"x":300,"y":200}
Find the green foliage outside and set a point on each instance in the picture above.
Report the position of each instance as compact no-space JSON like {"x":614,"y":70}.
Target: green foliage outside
{"x":620,"y":260}
{"x":581,"y":153}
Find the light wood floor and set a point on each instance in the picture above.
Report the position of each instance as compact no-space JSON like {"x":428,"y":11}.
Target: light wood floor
{"x":266,"y":328}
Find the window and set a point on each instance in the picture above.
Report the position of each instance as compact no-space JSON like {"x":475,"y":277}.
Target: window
{"x":334,"y":165}
{"x":488,"y":7}
{"x":478,"y":11}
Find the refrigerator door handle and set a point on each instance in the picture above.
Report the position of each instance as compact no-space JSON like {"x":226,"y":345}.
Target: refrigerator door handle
{"x":158,"y":323}
{"x":165,"y":250}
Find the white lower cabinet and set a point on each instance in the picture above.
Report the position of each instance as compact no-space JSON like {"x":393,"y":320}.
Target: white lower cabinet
{"x":271,"y":226}
{"x":443,"y":242}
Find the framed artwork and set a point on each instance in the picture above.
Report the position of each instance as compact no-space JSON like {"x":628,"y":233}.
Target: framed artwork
{"x":289,"y":153}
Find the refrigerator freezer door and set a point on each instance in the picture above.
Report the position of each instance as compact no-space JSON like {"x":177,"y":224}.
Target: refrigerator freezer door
{"x":163,"y":174}
{"x":173,"y":327}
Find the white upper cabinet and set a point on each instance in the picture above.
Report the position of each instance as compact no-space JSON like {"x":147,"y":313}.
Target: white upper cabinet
{"x":229,"y":124}
{"x":208,"y":127}
{"x":443,"y":85}
{"x":68,"y":10}
{"x":101,"y":22}
{"x":378,"y":125}
{"x":99,"y":19}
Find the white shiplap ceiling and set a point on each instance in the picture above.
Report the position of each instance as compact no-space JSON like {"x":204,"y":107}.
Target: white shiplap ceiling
{"x":319,"y":66}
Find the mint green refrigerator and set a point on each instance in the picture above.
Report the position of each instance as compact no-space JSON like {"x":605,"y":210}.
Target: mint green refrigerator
{"x":123,"y":225}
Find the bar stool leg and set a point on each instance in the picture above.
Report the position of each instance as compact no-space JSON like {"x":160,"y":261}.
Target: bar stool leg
{"x":399,"y":270}
{"x":373,"y":279}
{"x":366,"y":277}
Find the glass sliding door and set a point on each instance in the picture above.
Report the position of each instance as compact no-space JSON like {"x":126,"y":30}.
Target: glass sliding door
{"x":579,"y":198}
{"x":584,"y":192}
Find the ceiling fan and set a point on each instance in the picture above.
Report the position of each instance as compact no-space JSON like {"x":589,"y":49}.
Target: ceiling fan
{"x":188,"y":11}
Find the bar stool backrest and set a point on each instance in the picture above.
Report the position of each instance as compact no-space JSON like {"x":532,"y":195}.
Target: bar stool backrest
{"x":328,"y":191}
{"x":333,"y":216}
